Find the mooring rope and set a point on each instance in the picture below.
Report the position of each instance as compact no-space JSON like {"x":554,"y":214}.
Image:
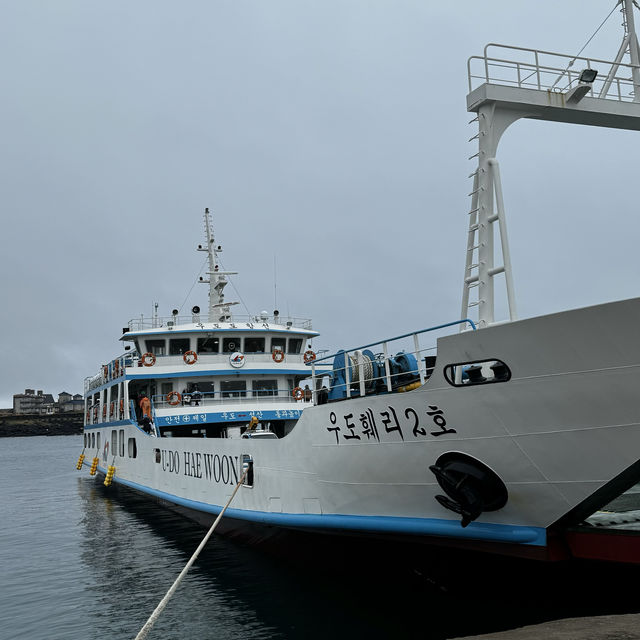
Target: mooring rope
{"x":163,"y":603}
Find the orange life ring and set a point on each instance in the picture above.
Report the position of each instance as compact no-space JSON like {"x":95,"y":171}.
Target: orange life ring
{"x":297,"y":393}
{"x":148,"y":359}
{"x":277,"y":355}
{"x":309,"y":356}
{"x":190,"y":357}
{"x":174,"y":398}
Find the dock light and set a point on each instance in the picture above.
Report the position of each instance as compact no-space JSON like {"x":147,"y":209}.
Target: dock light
{"x":585,"y":80}
{"x":588,"y":76}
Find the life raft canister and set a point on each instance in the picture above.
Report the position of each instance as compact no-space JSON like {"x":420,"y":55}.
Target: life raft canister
{"x":190,"y":357}
{"x":174,"y":398}
{"x":277,"y":355}
{"x":148,"y":359}
{"x":309,"y":356}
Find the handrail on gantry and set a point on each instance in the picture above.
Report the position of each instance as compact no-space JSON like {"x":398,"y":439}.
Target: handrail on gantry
{"x":404,"y":335}
{"x":539,"y":68}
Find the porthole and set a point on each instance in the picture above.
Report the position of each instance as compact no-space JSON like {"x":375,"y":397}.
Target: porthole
{"x":467,"y":374}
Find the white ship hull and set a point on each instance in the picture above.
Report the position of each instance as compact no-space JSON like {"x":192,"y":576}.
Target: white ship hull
{"x":560,"y":434}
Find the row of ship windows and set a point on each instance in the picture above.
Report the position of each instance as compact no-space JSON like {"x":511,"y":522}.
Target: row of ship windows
{"x":92,"y":441}
{"x":226,"y":389}
{"x":229,"y":344}
{"x":230,"y":388}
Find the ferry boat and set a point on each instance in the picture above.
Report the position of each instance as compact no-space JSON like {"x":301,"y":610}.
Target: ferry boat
{"x":513,"y":437}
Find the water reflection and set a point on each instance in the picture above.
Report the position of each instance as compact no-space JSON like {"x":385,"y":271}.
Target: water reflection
{"x":135,"y":549}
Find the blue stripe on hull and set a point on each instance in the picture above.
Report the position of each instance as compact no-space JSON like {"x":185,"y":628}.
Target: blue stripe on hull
{"x":371,"y":524}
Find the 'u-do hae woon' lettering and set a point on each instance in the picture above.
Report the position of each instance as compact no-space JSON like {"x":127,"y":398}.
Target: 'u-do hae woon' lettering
{"x":213,"y":467}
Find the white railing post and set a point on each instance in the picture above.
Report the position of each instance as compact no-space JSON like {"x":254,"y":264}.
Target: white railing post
{"x":346,"y":374}
{"x":361,"y":375}
{"x":416,"y":345}
{"x":387,"y":373}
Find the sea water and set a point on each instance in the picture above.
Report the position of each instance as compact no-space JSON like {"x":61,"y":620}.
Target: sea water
{"x":78,"y":561}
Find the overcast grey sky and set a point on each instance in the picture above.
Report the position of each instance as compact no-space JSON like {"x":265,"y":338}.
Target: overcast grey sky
{"x":332,"y":135}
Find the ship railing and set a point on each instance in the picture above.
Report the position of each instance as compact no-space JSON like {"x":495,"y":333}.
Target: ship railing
{"x":222,"y":359}
{"x":245,"y":397}
{"x":241,"y":322}
{"x":397,"y":371}
{"x":108,"y":372}
{"x":93,"y":382}
{"x":546,"y":70}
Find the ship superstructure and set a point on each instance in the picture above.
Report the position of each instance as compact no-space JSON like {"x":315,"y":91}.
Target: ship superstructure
{"x":206,"y":377}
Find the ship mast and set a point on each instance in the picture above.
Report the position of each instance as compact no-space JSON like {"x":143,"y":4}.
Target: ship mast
{"x":219,"y":310}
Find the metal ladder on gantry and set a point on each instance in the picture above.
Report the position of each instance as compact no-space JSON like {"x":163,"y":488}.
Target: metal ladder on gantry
{"x":508,"y":83}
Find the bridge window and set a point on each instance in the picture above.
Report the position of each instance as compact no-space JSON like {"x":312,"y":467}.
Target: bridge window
{"x":279,"y":343}
{"x":295,"y":345}
{"x":254,"y":345}
{"x":208,"y":345}
{"x":178,"y":346}
{"x":230,"y":345}
{"x":157,"y":347}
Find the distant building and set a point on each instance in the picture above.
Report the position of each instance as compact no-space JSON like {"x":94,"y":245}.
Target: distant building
{"x":67,"y":402}
{"x":32,"y":401}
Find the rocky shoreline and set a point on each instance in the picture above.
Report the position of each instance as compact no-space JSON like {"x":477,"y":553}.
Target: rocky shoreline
{"x":57,"y":424}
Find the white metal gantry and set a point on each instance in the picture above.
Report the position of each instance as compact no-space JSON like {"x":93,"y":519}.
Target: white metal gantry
{"x":509,"y":83}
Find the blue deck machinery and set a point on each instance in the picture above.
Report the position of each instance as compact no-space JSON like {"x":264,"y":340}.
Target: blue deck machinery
{"x":403,"y":370}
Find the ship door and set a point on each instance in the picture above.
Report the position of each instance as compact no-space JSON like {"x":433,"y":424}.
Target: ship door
{"x":247,"y":465}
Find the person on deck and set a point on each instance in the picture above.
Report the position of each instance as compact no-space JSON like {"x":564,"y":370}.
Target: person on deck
{"x":145,"y":406}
